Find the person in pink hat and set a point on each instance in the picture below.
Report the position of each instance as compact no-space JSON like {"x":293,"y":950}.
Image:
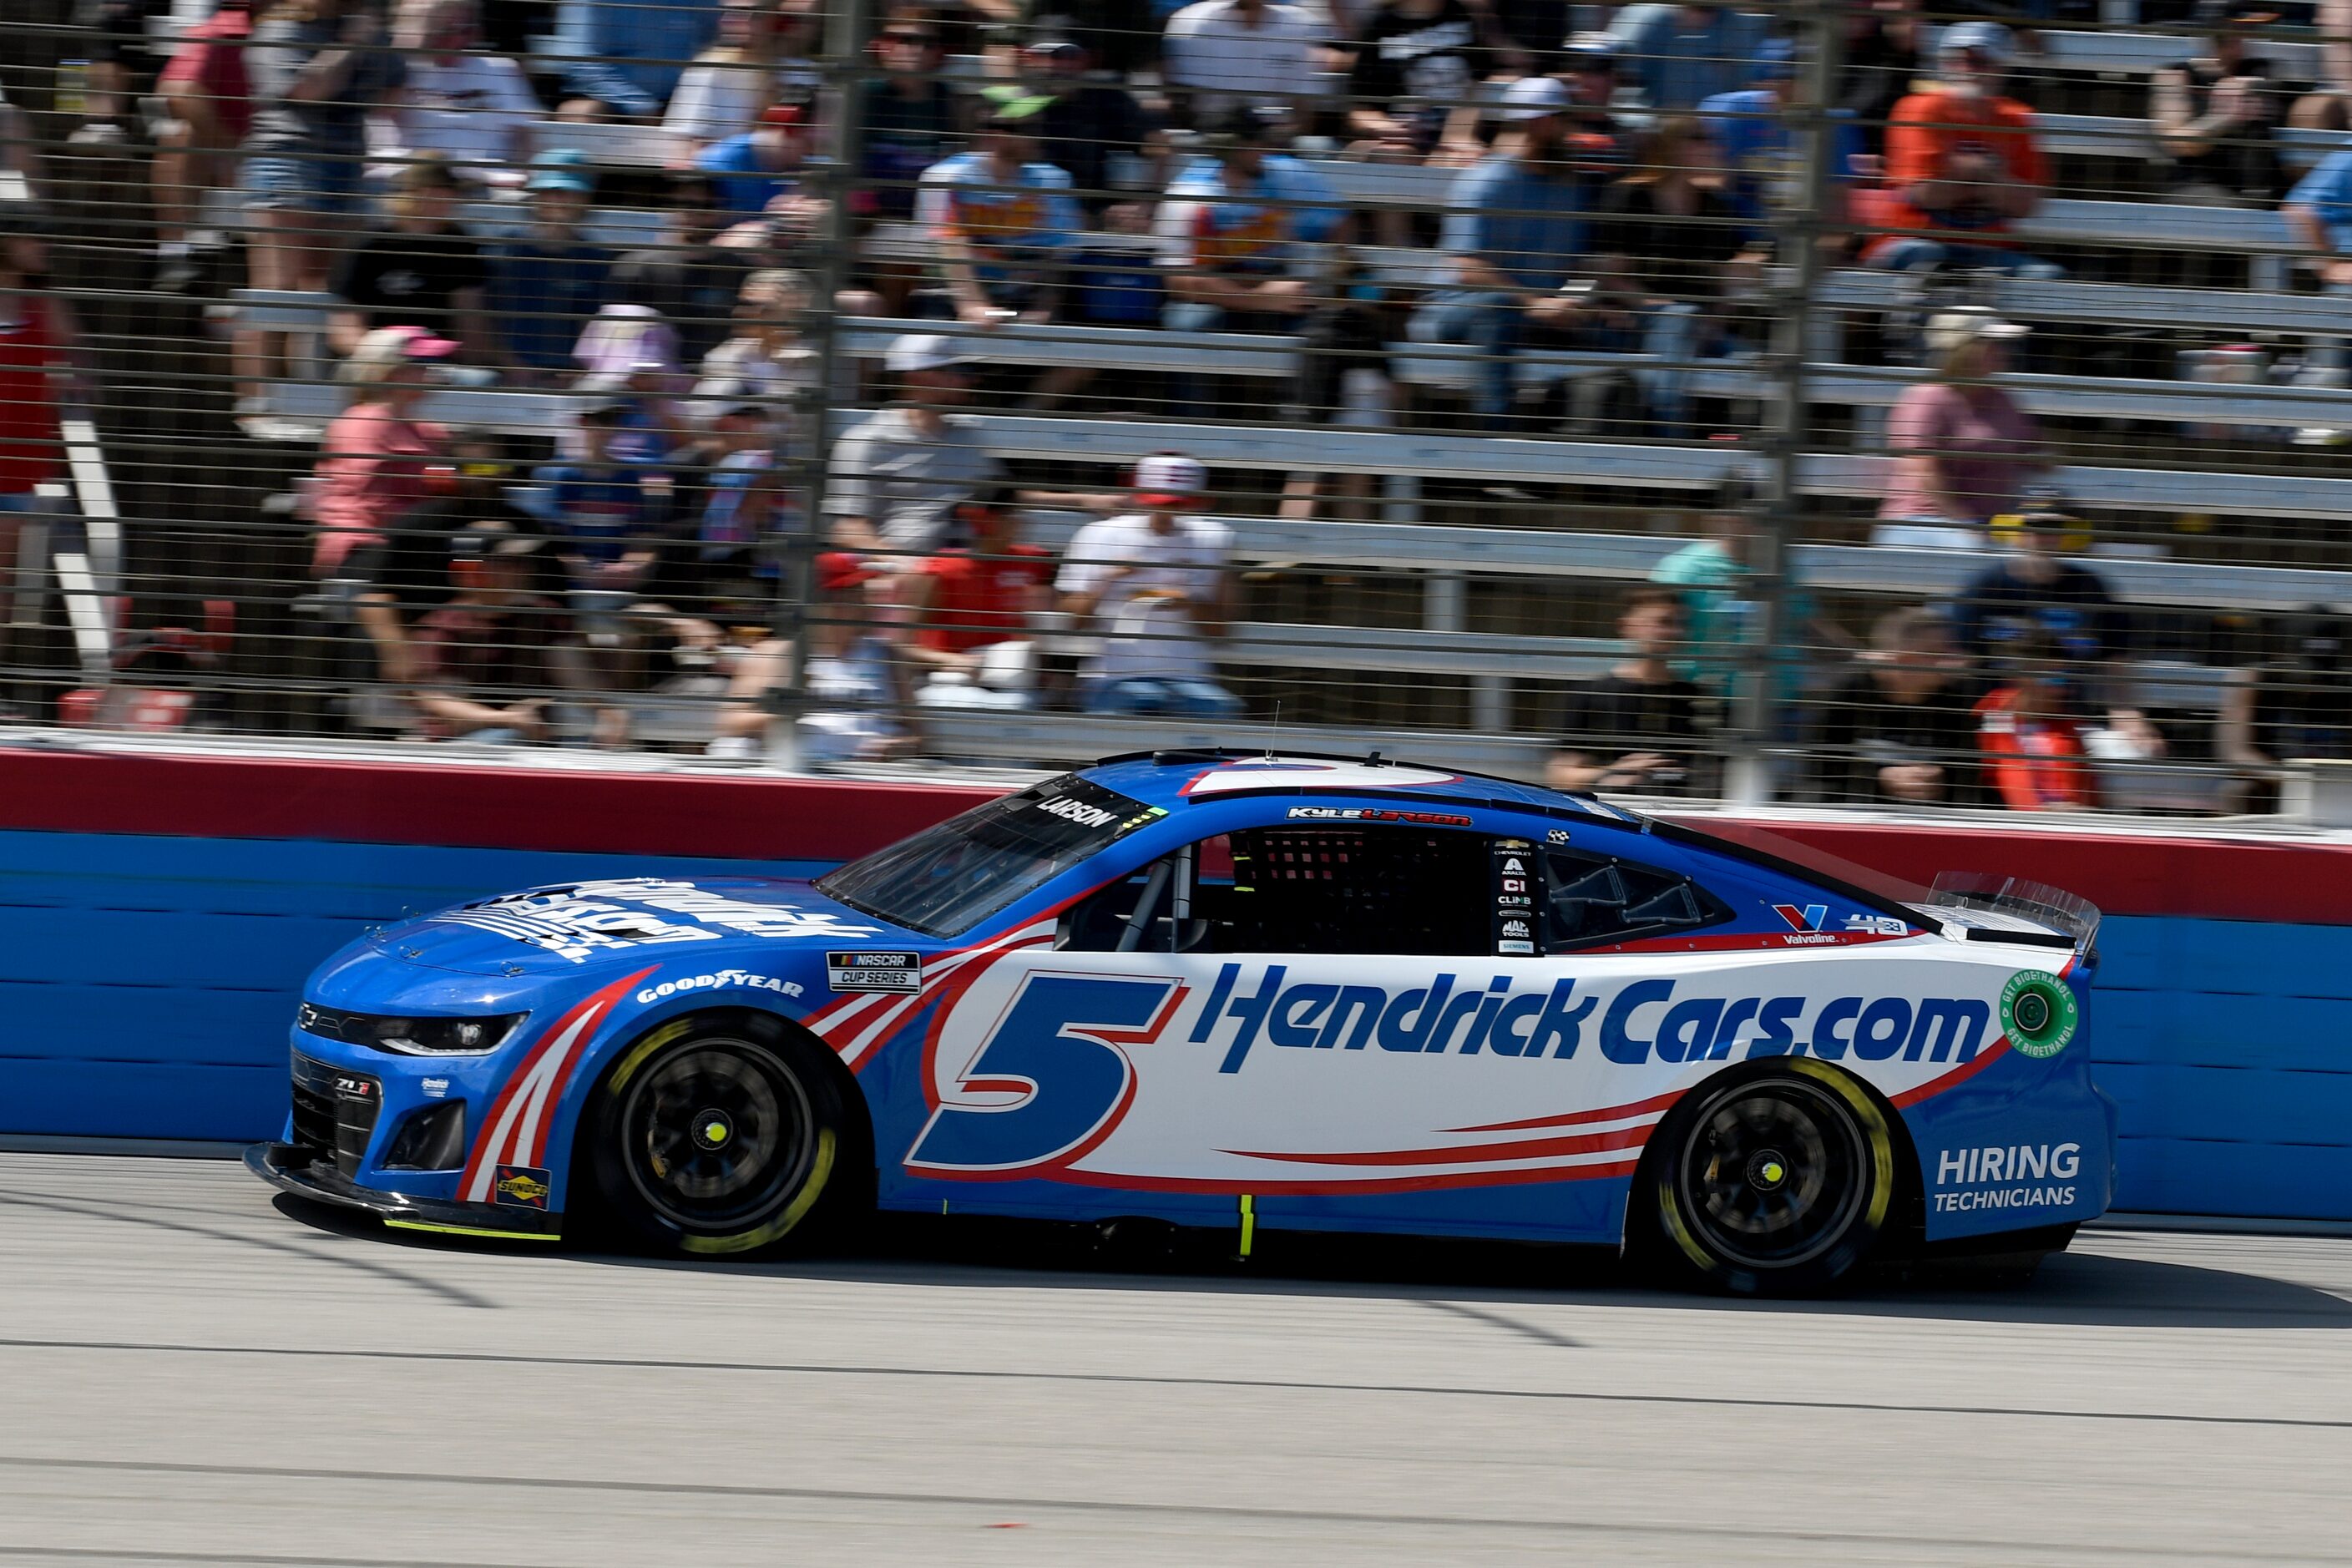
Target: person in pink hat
{"x":372,"y":463}
{"x":1153,"y":585}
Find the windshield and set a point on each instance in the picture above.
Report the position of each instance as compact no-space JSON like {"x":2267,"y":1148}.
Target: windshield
{"x":945,"y":879}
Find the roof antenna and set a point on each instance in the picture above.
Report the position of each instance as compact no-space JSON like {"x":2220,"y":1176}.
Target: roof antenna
{"x":1275,"y":733}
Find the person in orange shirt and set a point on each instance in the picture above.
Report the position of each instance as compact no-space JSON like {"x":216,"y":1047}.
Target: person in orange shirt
{"x":2033,"y":752}
{"x":1961,"y":164}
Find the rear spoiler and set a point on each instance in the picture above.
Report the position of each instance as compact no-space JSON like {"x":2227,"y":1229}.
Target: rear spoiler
{"x":1973,"y":906}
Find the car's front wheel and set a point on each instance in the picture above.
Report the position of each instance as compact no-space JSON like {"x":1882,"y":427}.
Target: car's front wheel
{"x":719,"y":1137}
{"x":1777,"y":1184}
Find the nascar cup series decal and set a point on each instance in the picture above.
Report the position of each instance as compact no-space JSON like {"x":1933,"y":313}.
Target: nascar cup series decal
{"x":589,"y":917}
{"x":1329,"y":1073}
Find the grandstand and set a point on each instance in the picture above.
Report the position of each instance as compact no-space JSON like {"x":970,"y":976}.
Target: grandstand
{"x":1767,"y":354}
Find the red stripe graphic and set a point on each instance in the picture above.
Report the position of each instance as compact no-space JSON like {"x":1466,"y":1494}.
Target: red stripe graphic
{"x":503,"y":1126}
{"x":1656,"y":1104}
{"x":1469,"y":1153}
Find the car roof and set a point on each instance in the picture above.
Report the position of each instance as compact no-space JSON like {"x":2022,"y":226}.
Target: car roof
{"x":1171,"y":779}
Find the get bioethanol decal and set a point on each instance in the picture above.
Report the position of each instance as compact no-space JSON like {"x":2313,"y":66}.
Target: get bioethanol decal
{"x":2037,"y":1012}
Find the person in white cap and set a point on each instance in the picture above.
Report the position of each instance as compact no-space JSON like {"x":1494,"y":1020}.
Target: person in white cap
{"x":1963,"y":162}
{"x":1964,"y":448}
{"x":1514,"y":226}
{"x":897,"y":479}
{"x":1153,"y":585}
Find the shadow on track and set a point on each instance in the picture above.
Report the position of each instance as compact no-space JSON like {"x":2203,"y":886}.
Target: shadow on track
{"x":2078,"y":1287}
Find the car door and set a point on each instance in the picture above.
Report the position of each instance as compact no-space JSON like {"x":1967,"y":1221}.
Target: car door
{"x":1226,"y":1017}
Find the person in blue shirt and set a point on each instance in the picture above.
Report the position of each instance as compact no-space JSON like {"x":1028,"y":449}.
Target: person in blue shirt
{"x":752,"y":170}
{"x":1761,"y":147}
{"x":1681,"y":56}
{"x":1004,"y":219}
{"x":544,"y":288}
{"x":626,"y":56}
{"x":1514,"y":226}
{"x":2319,"y":212}
{"x":1230,"y":228}
{"x":608,"y":513}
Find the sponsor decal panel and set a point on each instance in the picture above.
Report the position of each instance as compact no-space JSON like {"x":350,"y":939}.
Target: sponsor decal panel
{"x":515,"y":1129}
{"x":866,"y":970}
{"x":2038,"y":1013}
{"x":435,"y":1087}
{"x":1377,"y":814}
{"x":725,"y":979}
{"x":586,"y":919}
{"x":523,"y":1186}
{"x":2000,"y":1177}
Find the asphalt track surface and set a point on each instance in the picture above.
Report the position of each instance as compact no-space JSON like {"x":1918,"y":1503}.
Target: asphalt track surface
{"x":195,"y":1371}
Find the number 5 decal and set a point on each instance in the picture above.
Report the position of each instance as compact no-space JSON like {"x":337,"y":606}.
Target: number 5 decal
{"x":1060,"y":1046}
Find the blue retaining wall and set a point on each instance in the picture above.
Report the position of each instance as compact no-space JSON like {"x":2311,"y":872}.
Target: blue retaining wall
{"x":146,"y":983}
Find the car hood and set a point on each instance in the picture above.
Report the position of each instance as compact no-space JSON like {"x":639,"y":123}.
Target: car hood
{"x":633,"y":920}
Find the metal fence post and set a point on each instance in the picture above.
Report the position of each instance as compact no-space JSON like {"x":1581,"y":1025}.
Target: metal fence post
{"x":1769,"y":662}
{"x":849,"y":23}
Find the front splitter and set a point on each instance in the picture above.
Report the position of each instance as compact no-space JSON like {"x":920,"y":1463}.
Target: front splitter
{"x":293,"y":1169}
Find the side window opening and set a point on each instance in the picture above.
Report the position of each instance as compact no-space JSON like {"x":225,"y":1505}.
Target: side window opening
{"x":1337,"y":889}
{"x":1590,"y":900}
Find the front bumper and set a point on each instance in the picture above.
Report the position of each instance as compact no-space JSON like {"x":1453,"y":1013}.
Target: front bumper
{"x":294,"y":1169}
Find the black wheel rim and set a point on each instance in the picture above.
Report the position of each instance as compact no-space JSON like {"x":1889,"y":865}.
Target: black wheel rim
{"x":716,"y":1134}
{"x":1773,"y":1175}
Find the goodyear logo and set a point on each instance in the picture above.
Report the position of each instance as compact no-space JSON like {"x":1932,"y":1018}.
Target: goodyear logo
{"x":1629,"y":1024}
{"x":523,"y":1186}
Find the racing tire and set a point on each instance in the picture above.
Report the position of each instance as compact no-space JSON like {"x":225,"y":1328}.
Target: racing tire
{"x":1776,"y":1183}
{"x":716,"y":1137}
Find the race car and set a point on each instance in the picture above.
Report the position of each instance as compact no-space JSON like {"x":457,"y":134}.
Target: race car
{"x":1246,"y":991}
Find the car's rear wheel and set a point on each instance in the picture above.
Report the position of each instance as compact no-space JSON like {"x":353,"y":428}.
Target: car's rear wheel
{"x":1777,"y":1184}
{"x":719,"y":1137}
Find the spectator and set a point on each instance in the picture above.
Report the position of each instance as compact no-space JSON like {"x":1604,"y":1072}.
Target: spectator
{"x":766,"y":358}
{"x":1902,"y":728}
{"x":1083,"y":127}
{"x":316,"y":67}
{"x":1681,"y":56}
{"x":688,"y":280}
{"x":910,"y":119}
{"x":1754,"y":126}
{"x":38,"y":343}
{"x":1713,"y":576}
{"x":608,"y":512}
{"x":898,"y":478}
{"x":2295,"y":704}
{"x":2031,"y":596}
{"x":1120,"y":36}
{"x":486,"y":664}
{"x":1882,"y":61}
{"x":977,"y":611}
{"x":2329,"y":106}
{"x":1222,"y":55}
{"x":475,"y":111}
{"x":2319,"y":213}
{"x":2035,"y":756}
{"x":744,"y":501}
{"x":1229,"y":230}
{"x":1962,"y":161}
{"x":420,"y":270}
{"x":1003,"y":222}
{"x":1588,"y":68}
{"x":209,"y":98}
{"x":1416,"y":61}
{"x":1637,"y":726}
{"x":1672,"y":248}
{"x":372,"y":462}
{"x":1153,"y":585}
{"x":854,"y":676}
{"x":1515,"y":228}
{"x":407,"y":574}
{"x":119,"y":62}
{"x":2216,"y":116}
{"x":1964,"y":451}
{"x":544,"y":288}
{"x":625,"y":57}
{"x":760,"y":57}
{"x":753,"y":169}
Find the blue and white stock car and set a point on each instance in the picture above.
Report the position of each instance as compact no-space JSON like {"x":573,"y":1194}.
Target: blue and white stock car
{"x":1231,"y":991}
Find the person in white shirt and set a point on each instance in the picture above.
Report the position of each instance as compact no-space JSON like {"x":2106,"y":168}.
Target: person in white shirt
{"x":1153,"y":585}
{"x":476,"y":111}
{"x":760,"y":58}
{"x":1240,"y":52}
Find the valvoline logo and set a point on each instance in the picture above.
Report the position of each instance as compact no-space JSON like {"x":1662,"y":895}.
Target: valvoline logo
{"x":1628,"y":1026}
